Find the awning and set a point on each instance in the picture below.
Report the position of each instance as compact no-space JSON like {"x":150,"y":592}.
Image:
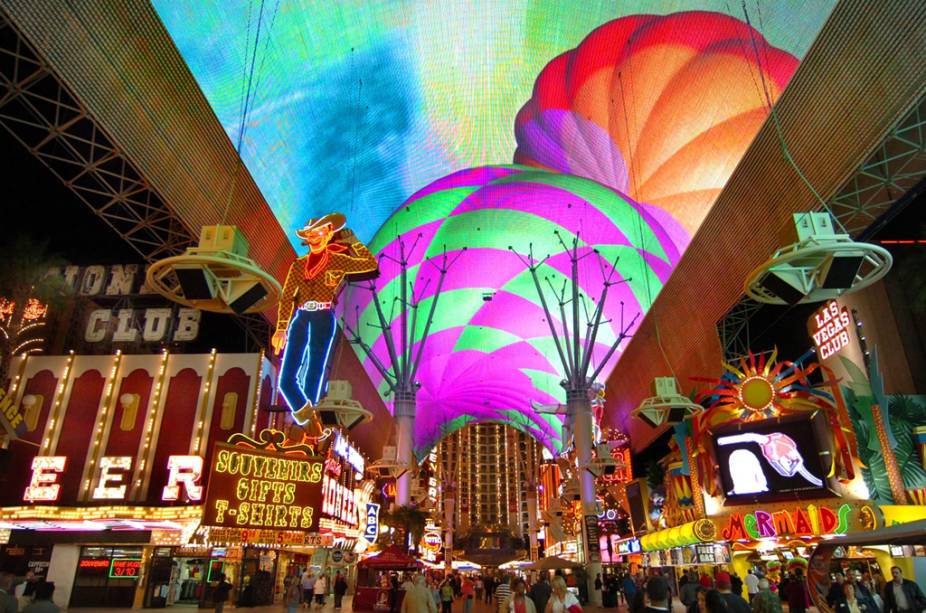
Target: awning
{"x":391,"y":558}
{"x":699,"y":531}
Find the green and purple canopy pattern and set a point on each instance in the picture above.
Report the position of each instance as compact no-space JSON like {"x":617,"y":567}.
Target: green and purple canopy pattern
{"x":487,"y":359}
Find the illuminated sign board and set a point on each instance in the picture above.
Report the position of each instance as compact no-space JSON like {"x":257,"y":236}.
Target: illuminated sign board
{"x":629,"y":546}
{"x":110,"y":485}
{"x":239,"y":536}
{"x":249,"y":488}
{"x":371,"y":531}
{"x":43,"y":486}
{"x":773,"y":459}
{"x":93,"y":563}
{"x":347,"y":452}
{"x":432,"y":541}
{"x":802,"y":521}
{"x":338,"y":501}
{"x":125,"y":568}
{"x":830,"y":329}
{"x":126,"y":282}
{"x":184,"y":474}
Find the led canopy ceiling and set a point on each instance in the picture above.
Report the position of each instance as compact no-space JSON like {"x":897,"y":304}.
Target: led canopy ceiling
{"x":629,"y":107}
{"x":358,"y":104}
{"x":489,"y":351}
{"x":625,"y":121}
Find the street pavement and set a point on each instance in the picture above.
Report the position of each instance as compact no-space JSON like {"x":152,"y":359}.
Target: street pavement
{"x":479,"y":607}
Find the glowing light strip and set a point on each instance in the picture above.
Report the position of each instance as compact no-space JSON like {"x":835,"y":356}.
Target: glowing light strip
{"x":203,"y":407}
{"x":59,"y":396}
{"x":156,"y":425}
{"x":256,"y":396}
{"x":14,"y":386}
{"x":286,"y":348}
{"x":321,"y":379}
{"x":93,"y":454}
{"x":152,"y":414}
{"x":139,"y":513}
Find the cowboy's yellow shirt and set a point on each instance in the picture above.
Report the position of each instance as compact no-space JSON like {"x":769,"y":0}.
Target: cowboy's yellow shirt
{"x":324,"y":286}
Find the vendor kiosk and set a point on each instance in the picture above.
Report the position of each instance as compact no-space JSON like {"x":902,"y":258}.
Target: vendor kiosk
{"x":374,"y":579}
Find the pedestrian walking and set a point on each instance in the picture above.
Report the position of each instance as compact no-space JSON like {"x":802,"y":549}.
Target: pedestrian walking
{"x":340,"y":588}
{"x":293,"y":596}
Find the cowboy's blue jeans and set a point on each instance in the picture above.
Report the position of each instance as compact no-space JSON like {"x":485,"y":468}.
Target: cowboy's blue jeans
{"x":303,"y":370}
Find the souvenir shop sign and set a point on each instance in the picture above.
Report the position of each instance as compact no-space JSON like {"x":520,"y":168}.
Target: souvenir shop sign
{"x":254,"y":489}
{"x":238,"y":536}
{"x":810,"y":520}
{"x":125,"y":568}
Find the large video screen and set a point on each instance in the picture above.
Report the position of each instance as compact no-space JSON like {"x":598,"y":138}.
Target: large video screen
{"x":775,"y":459}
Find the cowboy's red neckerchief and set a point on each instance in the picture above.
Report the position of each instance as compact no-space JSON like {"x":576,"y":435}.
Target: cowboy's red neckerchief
{"x":315,"y":263}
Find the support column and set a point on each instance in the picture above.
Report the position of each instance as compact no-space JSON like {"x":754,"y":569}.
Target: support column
{"x":581,"y":408}
{"x":532,"y":522}
{"x":405,"y":442}
{"x":449,"y":527}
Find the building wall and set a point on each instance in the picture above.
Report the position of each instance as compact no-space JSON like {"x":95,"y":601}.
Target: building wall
{"x":491,"y":467}
{"x":145,"y":407}
{"x":61,"y":572}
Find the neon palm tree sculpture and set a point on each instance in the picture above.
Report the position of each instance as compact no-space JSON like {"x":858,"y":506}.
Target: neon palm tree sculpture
{"x":575,"y":351}
{"x":404,"y":356}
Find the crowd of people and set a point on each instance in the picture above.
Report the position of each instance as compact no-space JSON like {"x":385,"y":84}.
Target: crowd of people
{"x":436,"y":594}
{"x":720,"y":592}
{"x":853,"y":592}
{"x":310,"y":590}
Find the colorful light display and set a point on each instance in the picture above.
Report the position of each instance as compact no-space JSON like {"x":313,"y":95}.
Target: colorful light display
{"x":490,"y":351}
{"x":356,"y":105}
{"x":659,"y":107}
{"x":252,"y":488}
{"x":305,"y":321}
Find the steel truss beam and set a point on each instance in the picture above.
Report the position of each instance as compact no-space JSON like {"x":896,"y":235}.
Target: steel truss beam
{"x":42,"y":114}
{"x":45,"y":116}
{"x":867,"y":199}
{"x":895,"y":166}
{"x":733,"y":329}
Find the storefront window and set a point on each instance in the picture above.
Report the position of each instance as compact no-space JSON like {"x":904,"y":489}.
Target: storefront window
{"x":106,"y":576}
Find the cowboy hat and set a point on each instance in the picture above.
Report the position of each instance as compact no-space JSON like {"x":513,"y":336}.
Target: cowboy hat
{"x":337,"y":221}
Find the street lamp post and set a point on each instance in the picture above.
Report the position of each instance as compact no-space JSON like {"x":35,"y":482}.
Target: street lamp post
{"x":575,"y":350}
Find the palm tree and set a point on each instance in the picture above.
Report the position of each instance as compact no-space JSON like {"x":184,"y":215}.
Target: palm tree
{"x":411,"y":520}
{"x":26,"y":286}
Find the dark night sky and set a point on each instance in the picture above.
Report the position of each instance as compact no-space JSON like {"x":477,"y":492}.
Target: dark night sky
{"x":37,"y":203}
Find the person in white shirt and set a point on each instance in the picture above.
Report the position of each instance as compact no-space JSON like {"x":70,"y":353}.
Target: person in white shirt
{"x":562,"y":600}
{"x":308,"y":585}
{"x":752,"y":584}
{"x":320,"y":590}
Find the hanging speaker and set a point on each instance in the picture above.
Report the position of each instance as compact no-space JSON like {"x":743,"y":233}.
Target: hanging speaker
{"x":249,"y":298}
{"x":840,"y":270}
{"x":197,"y":283}
{"x":786,"y":283}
